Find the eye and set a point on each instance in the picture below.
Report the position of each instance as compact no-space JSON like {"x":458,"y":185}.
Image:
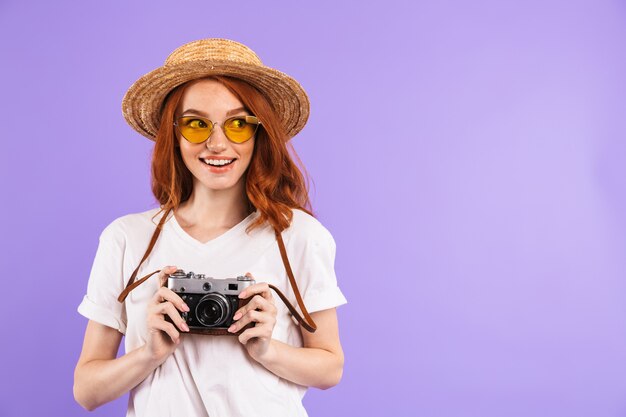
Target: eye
{"x":195,"y":123}
{"x":237,"y":123}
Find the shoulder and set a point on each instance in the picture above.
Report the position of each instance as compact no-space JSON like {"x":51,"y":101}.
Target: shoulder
{"x":305,"y":228}
{"x":131,"y":224}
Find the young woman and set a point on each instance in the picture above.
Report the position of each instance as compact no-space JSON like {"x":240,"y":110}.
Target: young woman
{"x":228,"y":190}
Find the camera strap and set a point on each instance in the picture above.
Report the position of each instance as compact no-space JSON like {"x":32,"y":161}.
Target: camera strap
{"x":306,"y":322}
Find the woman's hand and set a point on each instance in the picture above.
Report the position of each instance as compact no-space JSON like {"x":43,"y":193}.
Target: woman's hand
{"x":261,"y":310}
{"x":163,"y":337}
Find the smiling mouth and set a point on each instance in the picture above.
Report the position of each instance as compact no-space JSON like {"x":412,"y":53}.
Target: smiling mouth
{"x":218,"y":163}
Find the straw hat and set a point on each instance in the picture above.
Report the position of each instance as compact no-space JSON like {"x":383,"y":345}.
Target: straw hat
{"x":142,"y":102}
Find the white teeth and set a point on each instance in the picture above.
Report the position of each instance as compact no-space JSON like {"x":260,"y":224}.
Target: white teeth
{"x":217,"y":162}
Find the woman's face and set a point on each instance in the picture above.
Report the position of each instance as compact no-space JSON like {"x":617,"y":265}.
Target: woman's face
{"x":210,"y":99}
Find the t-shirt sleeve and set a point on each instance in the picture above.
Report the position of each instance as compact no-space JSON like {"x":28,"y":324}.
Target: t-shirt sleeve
{"x":316,"y":271}
{"x":106,"y":281}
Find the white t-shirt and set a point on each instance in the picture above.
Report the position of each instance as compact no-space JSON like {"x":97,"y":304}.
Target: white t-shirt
{"x":211,"y":375}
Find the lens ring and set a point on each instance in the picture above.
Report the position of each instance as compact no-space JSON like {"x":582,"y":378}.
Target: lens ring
{"x":193,"y":135}
{"x":250,"y":130}
{"x":213,"y":310}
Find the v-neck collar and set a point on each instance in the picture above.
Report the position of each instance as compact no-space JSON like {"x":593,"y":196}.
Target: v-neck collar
{"x":221,"y":239}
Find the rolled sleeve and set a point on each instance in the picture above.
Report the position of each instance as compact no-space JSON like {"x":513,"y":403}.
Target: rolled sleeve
{"x":322,"y":300}
{"x":316,"y":270}
{"x":102,"y":315}
{"x":106,"y":281}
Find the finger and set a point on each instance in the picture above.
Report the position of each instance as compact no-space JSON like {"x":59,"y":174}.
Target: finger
{"x":169,"y":309}
{"x":166,"y":294}
{"x":251,"y":316}
{"x":260,"y":317}
{"x":155,"y":324}
{"x":156,"y":299}
{"x":256,"y":303}
{"x":252,"y":333}
{"x":261,"y":288}
{"x":165,"y":273}
{"x":162,"y":277}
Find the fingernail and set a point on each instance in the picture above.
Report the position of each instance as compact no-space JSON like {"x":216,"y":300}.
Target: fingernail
{"x":185,"y":307}
{"x":185,"y":327}
{"x":231,"y":328}
{"x":237,"y":316}
{"x":242,"y":294}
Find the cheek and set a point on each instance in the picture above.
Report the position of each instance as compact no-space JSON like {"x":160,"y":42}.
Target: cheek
{"x":192,"y":167}
{"x":187,"y":154}
{"x":246,"y":160}
{"x":247,"y":154}
{"x":185,"y":159}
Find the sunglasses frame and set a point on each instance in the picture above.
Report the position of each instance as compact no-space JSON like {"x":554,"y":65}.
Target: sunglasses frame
{"x":249,"y":119}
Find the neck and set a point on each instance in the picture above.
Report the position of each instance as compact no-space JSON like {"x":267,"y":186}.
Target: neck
{"x":214,"y":208}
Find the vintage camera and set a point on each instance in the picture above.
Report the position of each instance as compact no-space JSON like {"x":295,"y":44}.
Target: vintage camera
{"x":212,"y":302}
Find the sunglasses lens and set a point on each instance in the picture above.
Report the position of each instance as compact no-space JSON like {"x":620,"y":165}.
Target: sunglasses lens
{"x":195,"y":130}
{"x":240,"y":129}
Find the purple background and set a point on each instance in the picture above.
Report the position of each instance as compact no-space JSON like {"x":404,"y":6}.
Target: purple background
{"x":468,"y":158}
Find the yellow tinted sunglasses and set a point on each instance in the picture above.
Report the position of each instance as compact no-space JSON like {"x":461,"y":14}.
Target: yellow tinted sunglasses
{"x":237,"y":129}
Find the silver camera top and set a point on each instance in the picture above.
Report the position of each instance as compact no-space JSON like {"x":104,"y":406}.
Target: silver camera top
{"x":182,"y":282}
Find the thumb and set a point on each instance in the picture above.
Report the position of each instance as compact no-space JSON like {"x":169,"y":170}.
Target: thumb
{"x":165,"y":272}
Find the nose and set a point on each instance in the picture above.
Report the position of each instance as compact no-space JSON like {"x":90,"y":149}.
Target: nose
{"x":217,"y":141}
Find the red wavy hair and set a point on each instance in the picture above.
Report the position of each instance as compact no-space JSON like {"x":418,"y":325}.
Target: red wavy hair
{"x":274,"y":183}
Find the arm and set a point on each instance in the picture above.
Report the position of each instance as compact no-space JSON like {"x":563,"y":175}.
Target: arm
{"x":99,"y":377}
{"x":319,"y":363}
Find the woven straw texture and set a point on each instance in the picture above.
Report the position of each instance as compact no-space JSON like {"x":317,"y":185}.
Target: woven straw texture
{"x":141,"y":105}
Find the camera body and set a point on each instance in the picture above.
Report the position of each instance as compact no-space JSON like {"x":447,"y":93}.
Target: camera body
{"x":212,"y":302}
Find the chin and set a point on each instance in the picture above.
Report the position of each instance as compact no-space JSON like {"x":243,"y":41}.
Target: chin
{"x":218,"y":185}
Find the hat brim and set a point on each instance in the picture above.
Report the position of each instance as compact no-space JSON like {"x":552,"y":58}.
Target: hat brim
{"x":141,"y":105}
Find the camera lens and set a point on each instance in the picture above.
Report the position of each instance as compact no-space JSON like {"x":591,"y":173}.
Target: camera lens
{"x":212,"y":310}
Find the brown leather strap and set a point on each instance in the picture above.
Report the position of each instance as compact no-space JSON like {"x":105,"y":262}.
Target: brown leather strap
{"x":306,"y":322}
{"x":130,"y":285}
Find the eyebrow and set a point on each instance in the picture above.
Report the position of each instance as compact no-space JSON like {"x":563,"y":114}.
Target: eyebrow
{"x":201,"y":113}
